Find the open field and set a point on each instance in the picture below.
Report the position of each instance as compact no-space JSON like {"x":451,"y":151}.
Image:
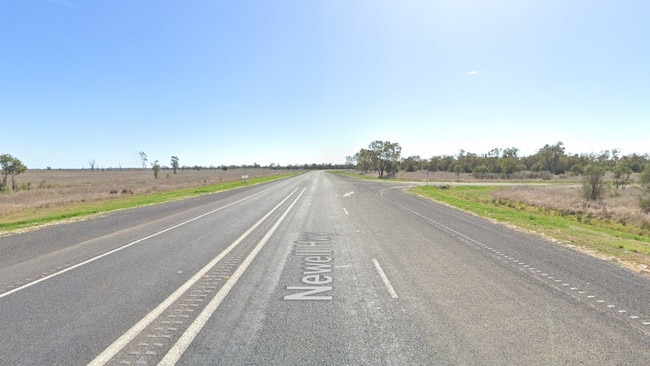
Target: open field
{"x":70,"y":193}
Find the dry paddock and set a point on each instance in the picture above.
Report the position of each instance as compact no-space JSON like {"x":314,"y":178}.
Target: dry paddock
{"x":49,"y":188}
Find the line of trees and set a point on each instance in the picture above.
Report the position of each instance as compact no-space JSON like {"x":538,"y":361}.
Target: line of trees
{"x":497,"y":163}
{"x":384,"y":157}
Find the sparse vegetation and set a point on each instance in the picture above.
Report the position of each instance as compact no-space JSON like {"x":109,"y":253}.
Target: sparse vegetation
{"x":143,"y":159}
{"x":174,"y":163}
{"x":593,"y":183}
{"x":622,"y":174}
{"x":62,"y":194}
{"x":644,"y":201}
{"x":155,"y":166}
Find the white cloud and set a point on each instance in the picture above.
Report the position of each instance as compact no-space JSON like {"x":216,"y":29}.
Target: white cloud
{"x":64,"y":3}
{"x":472,"y":73}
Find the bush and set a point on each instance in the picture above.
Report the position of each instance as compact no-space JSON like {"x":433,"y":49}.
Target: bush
{"x":593,"y":184}
{"x":644,"y":201}
{"x":480,"y":172}
{"x":645,"y":204}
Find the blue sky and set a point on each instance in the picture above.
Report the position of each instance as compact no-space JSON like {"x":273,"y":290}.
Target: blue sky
{"x":296,"y":81}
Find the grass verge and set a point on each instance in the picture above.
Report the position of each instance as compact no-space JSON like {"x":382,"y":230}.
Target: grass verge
{"x":42,"y":216}
{"x":625,"y":243}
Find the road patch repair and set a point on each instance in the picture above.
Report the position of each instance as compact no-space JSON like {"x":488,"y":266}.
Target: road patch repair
{"x":315,"y":249}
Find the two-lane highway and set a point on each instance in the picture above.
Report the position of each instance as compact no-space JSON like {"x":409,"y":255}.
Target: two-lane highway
{"x":314,"y":269}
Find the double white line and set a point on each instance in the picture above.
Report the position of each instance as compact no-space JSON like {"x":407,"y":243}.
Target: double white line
{"x":174,"y":354}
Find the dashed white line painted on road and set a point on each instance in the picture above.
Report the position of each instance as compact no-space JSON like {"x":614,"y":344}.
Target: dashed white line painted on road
{"x":346,"y":211}
{"x":384,"y":278}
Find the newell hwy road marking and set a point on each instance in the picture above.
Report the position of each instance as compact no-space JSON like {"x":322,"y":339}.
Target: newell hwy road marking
{"x":191,"y":332}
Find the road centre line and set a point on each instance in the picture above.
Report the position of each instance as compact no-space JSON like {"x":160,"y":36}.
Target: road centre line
{"x":346,"y":211}
{"x":384,"y":278}
{"x":175,"y":353}
{"x":74,"y":266}
{"x":127,"y":337}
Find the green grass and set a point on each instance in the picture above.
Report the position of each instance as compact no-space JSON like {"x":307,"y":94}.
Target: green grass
{"x":36,"y":217}
{"x":623,"y":242}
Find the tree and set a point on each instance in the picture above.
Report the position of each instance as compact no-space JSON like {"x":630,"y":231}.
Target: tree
{"x":644,"y":179}
{"x":144,"y":159}
{"x":509,"y":165}
{"x":156,"y":169}
{"x":92,"y":163}
{"x":384,"y":157}
{"x":10,"y":167}
{"x":622,"y":173}
{"x":174,"y":163}
{"x":350,"y":161}
{"x":412,"y":163}
{"x":364,"y":160}
{"x":593,"y":183}
{"x":480,"y":171}
{"x":6,"y":162}
{"x":550,"y":157}
{"x":511,"y":152}
{"x":458,"y":169}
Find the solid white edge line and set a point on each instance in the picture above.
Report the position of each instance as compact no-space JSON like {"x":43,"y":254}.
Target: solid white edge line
{"x":127,"y":337}
{"x":384,"y":278}
{"x":126,"y":246}
{"x":175,"y":353}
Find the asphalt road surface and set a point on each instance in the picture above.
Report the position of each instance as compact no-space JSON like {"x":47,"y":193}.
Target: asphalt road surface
{"x":312,"y":270}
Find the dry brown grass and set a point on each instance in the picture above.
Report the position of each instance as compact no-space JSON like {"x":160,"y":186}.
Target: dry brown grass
{"x":621,"y":206}
{"x":39,"y":189}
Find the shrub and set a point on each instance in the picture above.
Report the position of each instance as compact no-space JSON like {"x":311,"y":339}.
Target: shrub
{"x":480,"y":172}
{"x":644,"y":203}
{"x":593,"y":184}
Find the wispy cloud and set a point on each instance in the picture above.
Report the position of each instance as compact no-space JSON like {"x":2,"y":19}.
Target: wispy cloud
{"x":63,"y":2}
{"x":472,"y":73}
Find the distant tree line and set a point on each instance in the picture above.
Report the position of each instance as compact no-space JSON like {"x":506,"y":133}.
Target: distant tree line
{"x":384,"y":158}
{"x":496,"y":163}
